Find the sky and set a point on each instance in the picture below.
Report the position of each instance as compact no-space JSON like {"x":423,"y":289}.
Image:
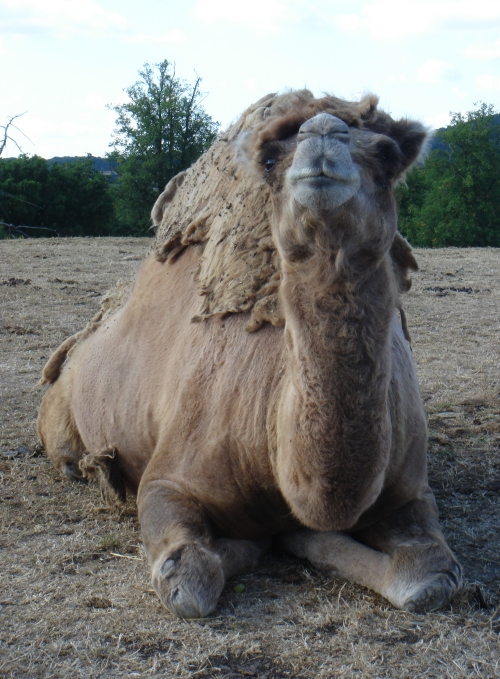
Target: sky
{"x":62,"y":61}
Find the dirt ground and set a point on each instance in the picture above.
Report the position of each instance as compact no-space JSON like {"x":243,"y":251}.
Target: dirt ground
{"x":75,"y":595}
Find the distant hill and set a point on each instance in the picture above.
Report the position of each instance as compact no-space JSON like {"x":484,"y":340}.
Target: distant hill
{"x":108,"y":167}
{"x":437,"y":143}
{"x":104,"y":165}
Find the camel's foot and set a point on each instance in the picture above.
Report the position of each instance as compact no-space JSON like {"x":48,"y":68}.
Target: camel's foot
{"x":189,"y":580}
{"x":427,"y":587}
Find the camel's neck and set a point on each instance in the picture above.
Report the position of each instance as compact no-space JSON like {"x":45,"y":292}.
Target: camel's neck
{"x":333,"y":421}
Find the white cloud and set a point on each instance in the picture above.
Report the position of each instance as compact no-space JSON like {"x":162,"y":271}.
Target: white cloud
{"x":171,"y":37}
{"x":63,"y":17}
{"x":96,"y":102}
{"x":440,"y":120}
{"x":262,"y":16}
{"x":384,"y":19}
{"x":396,"y":78}
{"x":488,"y":82}
{"x":391,"y":19}
{"x":484,"y":51}
{"x":251,"y":83}
{"x":118,"y":98}
{"x":40,"y":127}
{"x":349,"y":22}
{"x":435,"y":71}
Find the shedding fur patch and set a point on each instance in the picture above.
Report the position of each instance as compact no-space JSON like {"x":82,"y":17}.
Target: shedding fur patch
{"x":103,"y":468}
{"x":228,"y":209}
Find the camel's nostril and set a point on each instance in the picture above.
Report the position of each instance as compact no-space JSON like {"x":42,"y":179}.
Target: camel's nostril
{"x":324,"y":125}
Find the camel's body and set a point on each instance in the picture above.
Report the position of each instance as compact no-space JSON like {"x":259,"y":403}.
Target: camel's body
{"x":231,"y":437}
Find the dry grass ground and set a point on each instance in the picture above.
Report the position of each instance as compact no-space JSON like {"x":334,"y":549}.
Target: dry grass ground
{"x":76,"y":599}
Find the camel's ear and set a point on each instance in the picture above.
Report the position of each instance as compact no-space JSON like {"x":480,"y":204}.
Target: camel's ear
{"x":411,"y":137}
{"x":166,"y":197}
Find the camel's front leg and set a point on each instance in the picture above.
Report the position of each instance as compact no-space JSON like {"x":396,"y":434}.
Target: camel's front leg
{"x":188,"y":566}
{"x":405,"y":557}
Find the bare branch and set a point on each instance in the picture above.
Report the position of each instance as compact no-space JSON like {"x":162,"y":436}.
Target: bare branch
{"x":6,"y":135}
{"x":21,"y":200}
{"x":23,"y":133}
{"x":23,"y":226}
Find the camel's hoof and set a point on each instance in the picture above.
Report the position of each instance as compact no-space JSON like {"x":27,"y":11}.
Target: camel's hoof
{"x":189,"y":581}
{"x":434,"y":593}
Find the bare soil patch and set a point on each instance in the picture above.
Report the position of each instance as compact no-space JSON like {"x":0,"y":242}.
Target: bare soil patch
{"x":75,"y":596}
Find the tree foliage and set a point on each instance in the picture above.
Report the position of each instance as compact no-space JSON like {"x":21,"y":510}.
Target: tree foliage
{"x":455,"y":198}
{"x":70,"y":199}
{"x":160,"y":131}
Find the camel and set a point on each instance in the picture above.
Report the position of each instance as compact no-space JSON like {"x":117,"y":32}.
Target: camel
{"x":257,"y":383}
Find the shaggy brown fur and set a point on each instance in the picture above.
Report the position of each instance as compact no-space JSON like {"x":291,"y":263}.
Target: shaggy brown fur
{"x":313,"y":432}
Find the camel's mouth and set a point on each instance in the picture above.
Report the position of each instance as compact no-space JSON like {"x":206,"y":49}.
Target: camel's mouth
{"x":323,"y":172}
{"x":323,"y":185}
{"x":324,"y":177}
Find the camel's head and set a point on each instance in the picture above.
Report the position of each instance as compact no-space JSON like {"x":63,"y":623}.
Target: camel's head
{"x":331,"y":167}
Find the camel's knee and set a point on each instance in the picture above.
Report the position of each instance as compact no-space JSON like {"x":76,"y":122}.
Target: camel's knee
{"x":187,"y":569}
{"x":416,"y":574}
{"x":423,"y":574}
{"x":422,"y":577}
{"x":58,"y":432}
{"x":189,"y":579}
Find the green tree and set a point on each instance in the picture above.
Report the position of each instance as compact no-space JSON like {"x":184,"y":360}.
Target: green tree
{"x":455,"y":198}
{"x":160,"y":131}
{"x":70,"y":199}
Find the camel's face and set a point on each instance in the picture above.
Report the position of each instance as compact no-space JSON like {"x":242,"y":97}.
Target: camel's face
{"x":331,"y":169}
{"x":335,"y":178}
{"x":322,"y":162}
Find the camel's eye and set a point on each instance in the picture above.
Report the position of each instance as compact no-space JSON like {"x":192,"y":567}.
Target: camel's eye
{"x":269,"y":164}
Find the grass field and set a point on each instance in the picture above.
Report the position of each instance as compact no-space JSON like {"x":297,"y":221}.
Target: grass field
{"x":75,"y":594}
